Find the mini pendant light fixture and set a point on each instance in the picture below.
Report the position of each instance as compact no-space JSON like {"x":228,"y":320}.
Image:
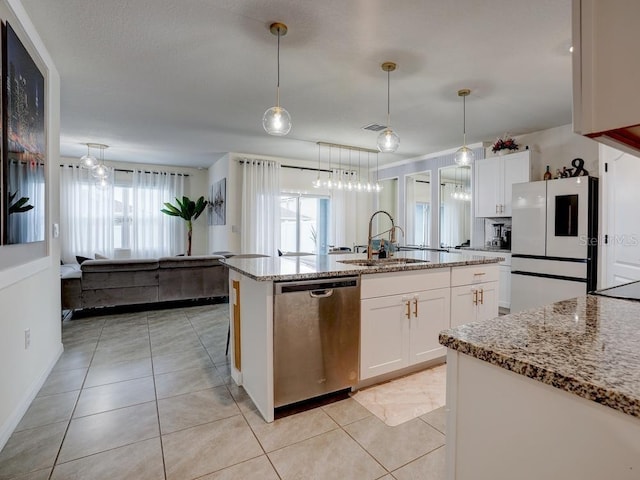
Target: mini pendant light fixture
{"x":88,"y":161}
{"x":276,"y":120}
{"x":464,"y":155}
{"x":388,"y":140}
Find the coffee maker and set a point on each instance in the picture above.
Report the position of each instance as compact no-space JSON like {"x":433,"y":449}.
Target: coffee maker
{"x":497,"y":240}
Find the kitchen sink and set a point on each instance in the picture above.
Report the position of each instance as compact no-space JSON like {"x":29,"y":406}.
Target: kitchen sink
{"x":383,"y":262}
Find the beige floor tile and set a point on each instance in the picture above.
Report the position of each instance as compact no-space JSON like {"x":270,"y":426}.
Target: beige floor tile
{"x":259,"y":468}
{"x":346,"y":411}
{"x":396,"y":446}
{"x":437,"y":419}
{"x":189,"y":410}
{"x":39,"y":475}
{"x":181,"y":361}
{"x":119,"y":355}
{"x":330,"y":455}
{"x":103,"y":431}
{"x":118,"y":372}
{"x":115,"y":395}
{"x":49,"y":409}
{"x":289,"y":430}
{"x":241,"y":397}
{"x":73,"y":360}
{"x":179,"y":344}
{"x":187,"y":381}
{"x":431,"y":466}
{"x":207,"y":448}
{"x":139,"y":461}
{"x":31,"y":450}
{"x":63,"y":381}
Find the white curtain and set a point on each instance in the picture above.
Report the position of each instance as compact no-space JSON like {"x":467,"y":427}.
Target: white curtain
{"x":454,"y":217}
{"x":86,"y":215}
{"x":260,"y":225}
{"x":26,"y":180}
{"x":155,"y":234}
{"x":343,"y":213}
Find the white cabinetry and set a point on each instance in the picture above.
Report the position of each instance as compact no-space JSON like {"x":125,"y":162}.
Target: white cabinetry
{"x":606,"y":72}
{"x":493,"y":178}
{"x":474,"y":294}
{"x":504,"y":270}
{"x":402,"y":316}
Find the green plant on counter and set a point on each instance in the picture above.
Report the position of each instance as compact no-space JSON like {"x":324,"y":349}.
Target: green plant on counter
{"x":189,"y":211}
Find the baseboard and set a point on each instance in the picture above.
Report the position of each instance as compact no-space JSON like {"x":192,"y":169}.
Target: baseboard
{"x":12,"y":422}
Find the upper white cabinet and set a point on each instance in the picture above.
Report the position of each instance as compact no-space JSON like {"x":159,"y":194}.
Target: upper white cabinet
{"x":606,"y":69}
{"x":494,"y":178}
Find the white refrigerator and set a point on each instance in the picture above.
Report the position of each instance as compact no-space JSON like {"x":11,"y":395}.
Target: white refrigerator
{"x":554,"y":241}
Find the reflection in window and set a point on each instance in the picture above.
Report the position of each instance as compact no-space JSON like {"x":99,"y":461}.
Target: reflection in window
{"x":422,"y":223}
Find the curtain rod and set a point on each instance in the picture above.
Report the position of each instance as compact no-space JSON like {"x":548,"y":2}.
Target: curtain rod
{"x":293,"y":166}
{"x":131,"y":171}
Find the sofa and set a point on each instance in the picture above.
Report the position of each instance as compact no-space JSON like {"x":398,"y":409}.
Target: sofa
{"x":109,"y":283}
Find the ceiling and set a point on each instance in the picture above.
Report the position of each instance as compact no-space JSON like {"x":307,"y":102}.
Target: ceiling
{"x":181,"y":83}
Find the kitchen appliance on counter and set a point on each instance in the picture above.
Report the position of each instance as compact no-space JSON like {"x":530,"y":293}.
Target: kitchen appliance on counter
{"x":497,"y":239}
{"x":554,"y":241}
{"x":316,"y":338}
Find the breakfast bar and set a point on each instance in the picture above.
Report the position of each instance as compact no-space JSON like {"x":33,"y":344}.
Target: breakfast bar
{"x":555,"y":388}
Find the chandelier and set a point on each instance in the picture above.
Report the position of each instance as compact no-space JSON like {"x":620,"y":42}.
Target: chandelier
{"x":343,"y":165}
{"x":95,"y":164}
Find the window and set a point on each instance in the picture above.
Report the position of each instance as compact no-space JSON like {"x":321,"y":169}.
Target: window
{"x":422,"y":222}
{"x":122,"y":217}
{"x":304,"y":221}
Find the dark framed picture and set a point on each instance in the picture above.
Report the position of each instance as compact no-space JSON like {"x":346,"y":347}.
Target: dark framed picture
{"x":23,"y":143}
{"x":218,"y":196}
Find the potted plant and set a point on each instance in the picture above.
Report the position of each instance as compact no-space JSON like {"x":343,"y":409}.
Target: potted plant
{"x":504,"y":145}
{"x":189,"y":211}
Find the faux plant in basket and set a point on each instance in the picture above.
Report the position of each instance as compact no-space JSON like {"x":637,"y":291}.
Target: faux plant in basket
{"x":504,"y":145}
{"x":189,"y":211}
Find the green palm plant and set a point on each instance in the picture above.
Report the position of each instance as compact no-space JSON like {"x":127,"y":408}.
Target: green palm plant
{"x":189,"y":211}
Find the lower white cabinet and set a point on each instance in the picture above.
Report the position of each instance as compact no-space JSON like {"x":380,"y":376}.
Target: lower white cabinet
{"x":475,"y":302}
{"x":398,"y":331}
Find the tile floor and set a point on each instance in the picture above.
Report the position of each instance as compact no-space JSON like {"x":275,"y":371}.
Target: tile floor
{"x":148,"y":395}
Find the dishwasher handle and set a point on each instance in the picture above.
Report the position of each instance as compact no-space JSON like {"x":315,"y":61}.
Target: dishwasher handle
{"x":321,"y":293}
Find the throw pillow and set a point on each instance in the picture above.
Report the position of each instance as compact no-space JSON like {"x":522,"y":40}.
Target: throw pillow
{"x":80,"y":259}
{"x":101,"y":257}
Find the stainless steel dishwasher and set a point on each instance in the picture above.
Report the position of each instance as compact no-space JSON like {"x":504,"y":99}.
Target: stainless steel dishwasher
{"x":316,"y":337}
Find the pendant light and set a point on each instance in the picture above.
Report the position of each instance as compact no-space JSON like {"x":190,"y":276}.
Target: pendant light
{"x":88,"y":161}
{"x":388,"y":140}
{"x":464,"y":155}
{"x":276,"y":120}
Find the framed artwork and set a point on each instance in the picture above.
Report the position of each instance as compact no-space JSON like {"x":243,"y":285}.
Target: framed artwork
{"x":218,"y":200}
{"x":23,"y":144}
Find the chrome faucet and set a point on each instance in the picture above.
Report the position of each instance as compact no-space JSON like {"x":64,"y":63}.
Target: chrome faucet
{"x":391,"y":231}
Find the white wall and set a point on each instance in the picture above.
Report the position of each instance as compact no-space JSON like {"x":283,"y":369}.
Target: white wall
{"x":557,"y":147}
{"x":195,"y":186}
{"x":30,"y":291}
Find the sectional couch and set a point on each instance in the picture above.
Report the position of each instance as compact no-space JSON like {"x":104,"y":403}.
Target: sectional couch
{"x":107,"y":283}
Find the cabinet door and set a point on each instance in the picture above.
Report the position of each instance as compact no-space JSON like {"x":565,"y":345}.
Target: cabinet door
{"x":504,"y":297}
{"x":463,"y":309}
{"x":515,"y":170}
{"x":384,"y":334}
{"x":487,"y":306}
{"x":429,"y":316}
{"x":486,"y":182}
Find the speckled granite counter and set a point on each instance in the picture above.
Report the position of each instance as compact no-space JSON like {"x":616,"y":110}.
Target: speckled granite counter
{"x":325,"y":266}
{"x":589,"y":346}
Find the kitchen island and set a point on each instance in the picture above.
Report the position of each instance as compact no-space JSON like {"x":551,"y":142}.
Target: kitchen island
{"x":404,"y":304}
{"x":552,"y":392}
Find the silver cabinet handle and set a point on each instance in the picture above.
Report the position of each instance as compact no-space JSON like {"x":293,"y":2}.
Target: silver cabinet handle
{"x":320,"y":293}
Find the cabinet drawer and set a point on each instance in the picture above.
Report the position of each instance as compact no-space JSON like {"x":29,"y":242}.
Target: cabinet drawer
{"x":394,"y":283}
{"x":474,"y":274}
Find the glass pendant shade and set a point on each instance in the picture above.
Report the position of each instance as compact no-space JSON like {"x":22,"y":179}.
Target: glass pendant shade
{"x":88,"y":161}
{"x":388,"y":141}
{"x":101,"y":171}
{"x":464,"y":156}
{"x":276,"y":121}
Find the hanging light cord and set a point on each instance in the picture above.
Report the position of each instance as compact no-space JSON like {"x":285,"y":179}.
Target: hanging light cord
{"x":388,"y":99}
{"x":278,"y":85}
{"x":464,"y":121}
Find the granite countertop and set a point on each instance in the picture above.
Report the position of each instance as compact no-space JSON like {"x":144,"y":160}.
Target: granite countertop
{"x":589,"y":346}
{"x":326,"y":266}
{"x":486,"y":249}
